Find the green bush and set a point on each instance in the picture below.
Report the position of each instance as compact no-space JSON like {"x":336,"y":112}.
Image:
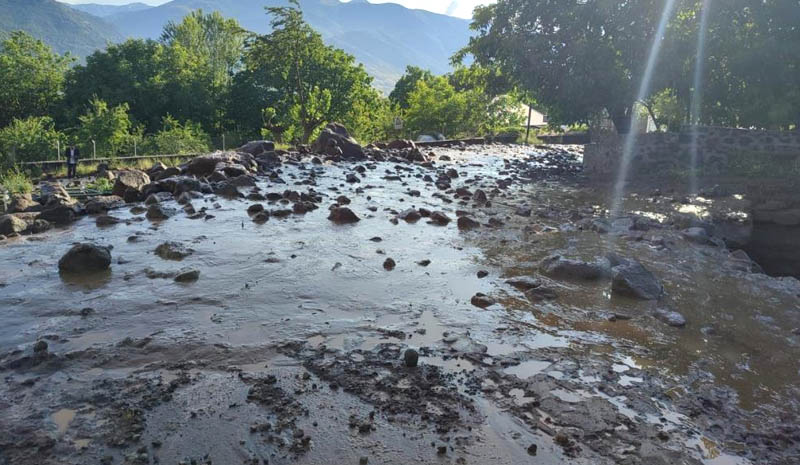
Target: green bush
{"x":178,"y":139}
{"x":30,"y":139}
{"x":16,"y":182}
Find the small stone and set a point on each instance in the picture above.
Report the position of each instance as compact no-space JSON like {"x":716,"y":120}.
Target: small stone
{"x":188,"y":276}
{"x":532,"y":449}
{"x":439,"y":218}
{"x":482,"y":300}
{"x":389,"y":264}
{"x":343,"y":215}
{"x":482,"y":274}
{"x":466,"y":223}
{"x":363,"y":461}
{"x":411,"y":358}
{"x":40,"y":347}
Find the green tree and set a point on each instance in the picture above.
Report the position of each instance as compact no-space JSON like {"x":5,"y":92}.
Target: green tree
{"x":176,"y":139}
{"x":293,"y":83}
{"x":436,"y":106}
{"x":31,"y":78}
{"x":201,"y":55}
{"x":407,"y":83}
{"x":110,"y":128}
{"x":29,"y":139}
{"x":127,"y":73}
{"x":575,"y":58}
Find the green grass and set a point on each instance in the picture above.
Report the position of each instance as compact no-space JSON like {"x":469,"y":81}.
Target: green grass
{"x":16,"y":182}
{"x":89,"y":169}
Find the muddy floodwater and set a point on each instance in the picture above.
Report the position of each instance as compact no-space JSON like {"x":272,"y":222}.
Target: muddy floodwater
{"x":290,"y":347}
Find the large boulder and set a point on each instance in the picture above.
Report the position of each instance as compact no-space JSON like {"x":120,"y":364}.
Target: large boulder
{"x":53,"y":192}
{"x":257,"y":147}
{"x":60,"y":213}
{"x":336,"y":136}
{"x":130,"y":179}
{"x":85,"y":258}
{"x":559,"y":267}
{"x":205,"y":165}
{"x":632,"y":279}
{"x":103,"y":203}
{"x":12,"y":224}
{"x":23,"y":203}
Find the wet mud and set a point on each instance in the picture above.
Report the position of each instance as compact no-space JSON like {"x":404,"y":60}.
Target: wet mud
{"x":288,"y":342}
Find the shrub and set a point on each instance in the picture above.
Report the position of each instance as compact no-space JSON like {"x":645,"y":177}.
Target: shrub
{"x":16,"y":182}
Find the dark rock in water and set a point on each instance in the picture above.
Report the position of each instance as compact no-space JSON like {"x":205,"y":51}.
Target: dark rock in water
{"x":523,"y":283}
{"x":255,"y":208}
{"x":670,"y":317}
{"x":12,"y":224}
{"x":257,"y":147}
{"x":439,"y":218}
{"x":482,"y":274}
{"x":343,"y":200}
{"x":207,"y":164}
{"x":130,"y":179}
{"x":533,"y":449}
{"x":261,"y":217}
{"x":103,"y":204}
{"x":157,"y":213}
{"x":336,"y":136}
{"x":411,"y":358}
{"x":103,"y":221}
{"x":39,"y":347}
{"x":132,"y":195}
{"x":424,"y":262}
{"x":60,"y":212}
{"x":524,"y":211}
{"x":634,"y":280}
{"x":188,"y":276}
{"x":152,"y":199}
{"x":466,"y":223}
{"x":228,"y":190}
{"x":343,"y":215}
{"x":410,"y":216}
{"x":39,"y":226}
{"x":400,"y":144}
{"x":480,"y":196}
{"x":352,"y":178}
{"x":559,"y":267}
{"x":172,"y":251}
{"x":85,"y":258}
{"x":389,"y":264}
{"x":482,"y":300}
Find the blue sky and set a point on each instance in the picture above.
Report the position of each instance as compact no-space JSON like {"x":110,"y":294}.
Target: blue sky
{"x":459,"y":8}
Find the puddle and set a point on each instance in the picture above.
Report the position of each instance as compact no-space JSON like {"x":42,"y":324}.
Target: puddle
{"x":528,"y":368}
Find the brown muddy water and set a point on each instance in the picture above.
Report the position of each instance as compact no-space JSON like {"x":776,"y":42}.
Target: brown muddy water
{"x":289,"y":348}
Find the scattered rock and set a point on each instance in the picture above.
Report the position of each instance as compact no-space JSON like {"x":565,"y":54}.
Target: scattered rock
{"x":411,"y":358}
{"x":12,"y":224}
{"x":172,"y":251}
{"x":188,"y":276}
{"x":439,"y":218}
{"x":129,"y":179}
{"x":389,"y":264}
{"x":670,"y":317}
{"x":466,"y":223}
{"x":85,"y":258}
{"x":634,"y":280}
{"x":559,"y":267}
{"x":157,"y":213}
{"x":343,"y":215}
{"x":410,"y":216}
{"x":482,"y":300}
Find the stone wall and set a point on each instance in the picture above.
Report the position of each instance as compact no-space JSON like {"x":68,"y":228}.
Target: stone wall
{"x":721,"y":152}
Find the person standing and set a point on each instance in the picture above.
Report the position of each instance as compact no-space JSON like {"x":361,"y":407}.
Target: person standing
{"x":73,"y":155}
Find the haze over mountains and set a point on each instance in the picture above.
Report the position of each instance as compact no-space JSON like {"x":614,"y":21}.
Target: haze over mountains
{"x":385,"y":37}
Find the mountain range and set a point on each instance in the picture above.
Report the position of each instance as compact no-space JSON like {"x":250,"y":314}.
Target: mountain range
{"x":384,"y":37}
{"x":57,"y":24}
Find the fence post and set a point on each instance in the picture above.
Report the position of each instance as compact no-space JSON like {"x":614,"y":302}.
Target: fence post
{"x":94,"y":149}
{"x":528,"y":129}
{"x":58,"y":150}
{"x":134,"y":147}
{"x":223,"y":141}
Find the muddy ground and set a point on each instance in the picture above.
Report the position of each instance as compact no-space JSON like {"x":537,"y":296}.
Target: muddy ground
{"x":291,"y":346}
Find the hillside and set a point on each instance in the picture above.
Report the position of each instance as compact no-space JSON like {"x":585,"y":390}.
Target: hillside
{"x":62,"y":27}
{"x":103,"y":11}
{"x":385,"y":37}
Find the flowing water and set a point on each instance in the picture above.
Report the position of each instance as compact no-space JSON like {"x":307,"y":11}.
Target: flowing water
{"x":174,"y":366}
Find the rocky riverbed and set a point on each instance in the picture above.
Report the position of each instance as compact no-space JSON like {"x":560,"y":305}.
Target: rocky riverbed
{"x":469,"y":305}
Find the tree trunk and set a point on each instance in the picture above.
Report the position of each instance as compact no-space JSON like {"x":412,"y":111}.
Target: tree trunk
{"x":307,"y":131}
{"x":622,"y":120}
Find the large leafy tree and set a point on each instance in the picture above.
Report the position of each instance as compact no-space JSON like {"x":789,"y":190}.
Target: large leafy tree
{"x":31,"y":78}
{"x":29,"y":139}
{"x":109,"y":127}
{"x":576,"y":58}
{"x":407,"y":83}
{"x":293,"y":82}
{"x":127,"y":73}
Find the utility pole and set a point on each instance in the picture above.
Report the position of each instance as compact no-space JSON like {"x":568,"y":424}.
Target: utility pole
{"x":528,"y":129}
